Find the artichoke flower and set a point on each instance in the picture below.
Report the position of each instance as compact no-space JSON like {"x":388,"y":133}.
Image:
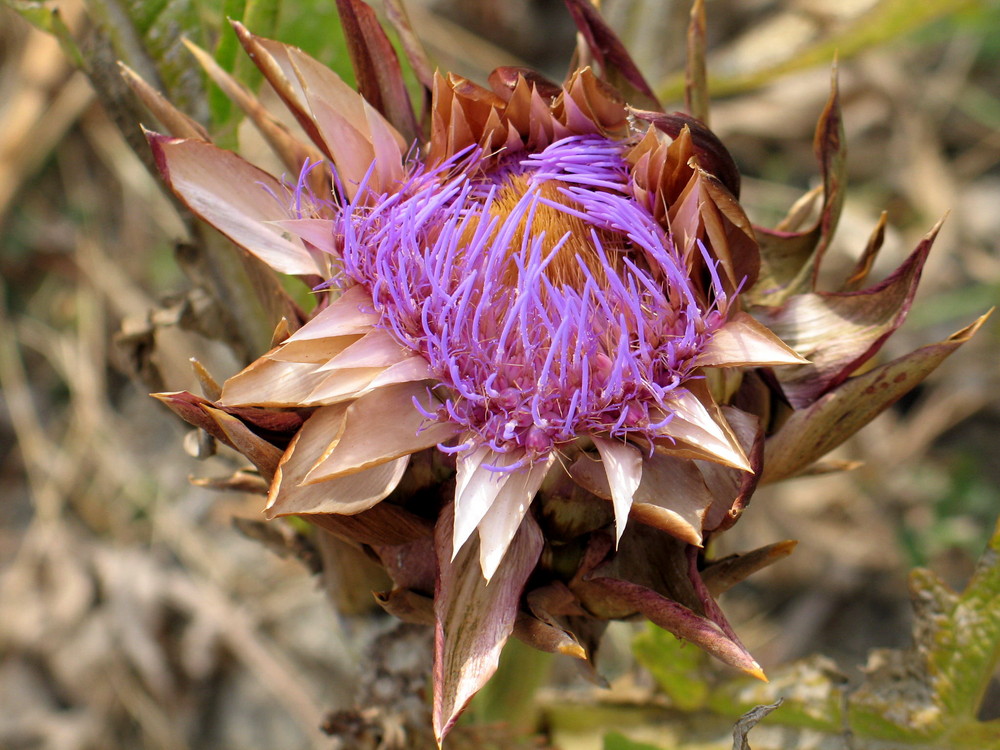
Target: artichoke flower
{"x":550,"y":356}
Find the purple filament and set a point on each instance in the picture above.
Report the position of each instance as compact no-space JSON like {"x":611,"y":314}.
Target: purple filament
{"x":526,"y":358}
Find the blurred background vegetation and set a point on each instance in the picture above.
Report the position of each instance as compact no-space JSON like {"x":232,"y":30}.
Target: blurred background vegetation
{"x":135,"y":613}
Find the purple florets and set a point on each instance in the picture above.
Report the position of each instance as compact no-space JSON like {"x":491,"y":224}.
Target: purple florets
{"x":547,"y":300}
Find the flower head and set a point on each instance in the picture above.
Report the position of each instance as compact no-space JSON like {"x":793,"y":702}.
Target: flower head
{"x":547,"y":301}
{"x":531,"y":386}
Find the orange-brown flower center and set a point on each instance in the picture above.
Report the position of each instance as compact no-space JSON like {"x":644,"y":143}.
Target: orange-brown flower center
{"x":561,"y":232}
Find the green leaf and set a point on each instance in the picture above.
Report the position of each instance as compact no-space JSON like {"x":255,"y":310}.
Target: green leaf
{"x":144,"y":13}
{"x":934,"y":689}
{"x":49,"y":20}
{"x":261,"y":17}
{"x":677,"y":667}
{"x":146,"y":36}
{"x":314,"y":26}
{"x":812,"y":689}
{"x":219,"y":105}
{"x":964,"y":656}
{"x":616,"y":741}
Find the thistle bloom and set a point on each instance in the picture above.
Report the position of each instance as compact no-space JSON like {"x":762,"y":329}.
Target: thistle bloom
{"x":549,"y":306}
{"x":531,"y":387}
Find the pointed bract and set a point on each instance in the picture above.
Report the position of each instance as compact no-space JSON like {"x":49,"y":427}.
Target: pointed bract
{"x":376,"y":67}
{"x":731,"y":489}
{"x":473,"y":618}
{"x":623,"y":465}
{"x":276,"y":383}
{"x":345,"y":495}
{"x":617,"y":65}
{"x":261,"y":453}
{"x":479,"y":481}
{"x":680,"y":621}
{"x":839,"y":332}
{"x":744,"y":342}
{"x":812,"y":432}
{"x":791,"y":258}
{"x":867,"y":260}
{"x":176,"y":122}
{"x":204,"y":176}
{"x":415,"y":53}
{"x":272,"y":58}
{"x":377,"y":348}
{"x":671,"y":496}
{"x":379,"y":427}
{"x":695,"y":75}
{"x":350,"y":314}
{"x":505,"y":514}
{"x":292,"y":152}
{"x":722,"y":574}
{"x":692,"y":424}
